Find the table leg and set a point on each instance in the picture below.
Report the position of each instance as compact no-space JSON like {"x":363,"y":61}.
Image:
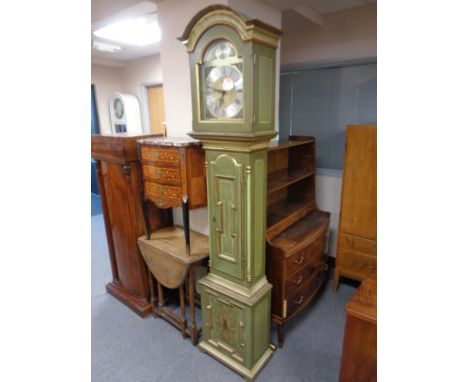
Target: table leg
{"x":160,"y":296}
{"x":151,"y":288}
{"x":193,"y":320}
{"x":182,"y":310}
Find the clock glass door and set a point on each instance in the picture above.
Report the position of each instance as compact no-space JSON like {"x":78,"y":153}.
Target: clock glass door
{"x":221,"y":83}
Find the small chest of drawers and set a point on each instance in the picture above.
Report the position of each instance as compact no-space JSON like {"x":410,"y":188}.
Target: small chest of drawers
{"x":173,"y":168}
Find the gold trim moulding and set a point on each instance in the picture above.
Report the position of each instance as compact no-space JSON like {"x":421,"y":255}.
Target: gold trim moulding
{"x":235,"y":142}
{"x":246,"y":296}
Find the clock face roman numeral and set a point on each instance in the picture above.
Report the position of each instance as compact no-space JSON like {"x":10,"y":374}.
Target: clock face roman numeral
{"x":222,"y":82}
{"x":224,"y":92}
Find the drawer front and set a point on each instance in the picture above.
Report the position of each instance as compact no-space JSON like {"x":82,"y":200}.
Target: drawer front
{"x":156,"y":154}
{"x":302,"y":257}
{"x":299,"y":298}
{"x":355,"y":261}
{"x":358,"y":244}
{"x":299,"y":278}
{"x":160,"y":193}
{"x":161,"y":173}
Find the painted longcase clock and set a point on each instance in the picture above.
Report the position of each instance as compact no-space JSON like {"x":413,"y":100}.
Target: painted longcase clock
{"x":232,"y":63}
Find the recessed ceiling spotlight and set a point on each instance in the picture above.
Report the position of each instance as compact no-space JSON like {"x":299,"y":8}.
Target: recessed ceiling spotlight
{"x":105,"y":47}
{"x":141,"y":31}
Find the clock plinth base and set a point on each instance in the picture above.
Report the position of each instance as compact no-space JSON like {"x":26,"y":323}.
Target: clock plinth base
{"x":236,"y":328}
{"x":248,"y":374}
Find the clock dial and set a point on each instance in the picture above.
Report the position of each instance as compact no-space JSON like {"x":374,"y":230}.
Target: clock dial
{"x":118,"y":108}
{"x":223,"y":94}
{"x":222,"y":87}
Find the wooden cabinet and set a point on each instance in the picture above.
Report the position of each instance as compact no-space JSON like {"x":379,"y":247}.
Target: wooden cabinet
{"x":119,"y":181}
{"x":296,"y":229}
{"x":356,"y":254}
{"x":359,"y":355}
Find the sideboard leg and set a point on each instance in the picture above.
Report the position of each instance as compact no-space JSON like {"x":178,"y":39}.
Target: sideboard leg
{"x":336,"y":279}
{"x":280,"y":333}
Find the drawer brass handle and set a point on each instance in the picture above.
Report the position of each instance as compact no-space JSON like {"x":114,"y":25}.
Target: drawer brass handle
{"x":299,"y":280}
{"x":300,"y":260}
{"x":299,"y":301}
{"x":158,"y":172}
{"x":156,"y":154}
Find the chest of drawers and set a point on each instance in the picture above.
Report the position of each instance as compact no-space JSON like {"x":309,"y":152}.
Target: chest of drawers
{"x":172,"y":169}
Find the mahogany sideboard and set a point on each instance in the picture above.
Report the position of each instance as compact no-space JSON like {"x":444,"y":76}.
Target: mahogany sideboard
{"x":359,"y":355}
{"x":119,"y":180}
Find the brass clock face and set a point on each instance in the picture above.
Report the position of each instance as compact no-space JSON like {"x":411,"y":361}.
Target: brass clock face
{"x":222,"y":90}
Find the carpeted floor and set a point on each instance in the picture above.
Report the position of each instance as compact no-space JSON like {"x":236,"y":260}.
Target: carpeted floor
{"x":126,"y":348}
{"x":96,"y":208}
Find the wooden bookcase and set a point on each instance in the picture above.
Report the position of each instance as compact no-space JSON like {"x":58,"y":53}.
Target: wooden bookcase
{"x":296,"y":229}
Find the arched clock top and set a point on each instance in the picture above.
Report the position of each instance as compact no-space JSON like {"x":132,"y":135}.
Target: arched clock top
{"x":248,"y":29}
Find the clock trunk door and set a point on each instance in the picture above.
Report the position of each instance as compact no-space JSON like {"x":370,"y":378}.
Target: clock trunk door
{"x":225,"y":178}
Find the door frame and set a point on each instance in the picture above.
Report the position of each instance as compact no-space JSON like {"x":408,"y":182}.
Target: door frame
{"x":144,"y":106}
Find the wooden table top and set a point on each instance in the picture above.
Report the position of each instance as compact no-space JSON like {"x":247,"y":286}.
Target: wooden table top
{"x":171,"y":242}
{"x":363,"y":304}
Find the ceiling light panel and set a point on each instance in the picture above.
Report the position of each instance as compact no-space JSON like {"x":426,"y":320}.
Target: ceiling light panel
{"x":139,"y":31}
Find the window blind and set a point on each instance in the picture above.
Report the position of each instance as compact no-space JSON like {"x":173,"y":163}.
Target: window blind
{"x":322,"y":102}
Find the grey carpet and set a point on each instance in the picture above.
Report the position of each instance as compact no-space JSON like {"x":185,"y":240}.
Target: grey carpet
{"x":96,"y":208}
{"x":126,"y":348}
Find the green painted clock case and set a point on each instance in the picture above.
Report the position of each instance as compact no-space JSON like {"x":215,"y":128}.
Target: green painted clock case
{"x":235,"y":295}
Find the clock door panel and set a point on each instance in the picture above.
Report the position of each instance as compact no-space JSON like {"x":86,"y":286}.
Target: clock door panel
{"x":225,"y":325}
{"x":225,"y":177}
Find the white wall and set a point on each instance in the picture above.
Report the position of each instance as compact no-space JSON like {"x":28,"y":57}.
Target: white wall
{"x":137,"y":73}
{"x":328,"y":194}
{"x":106,"y":81}
{"x":345,"y":36}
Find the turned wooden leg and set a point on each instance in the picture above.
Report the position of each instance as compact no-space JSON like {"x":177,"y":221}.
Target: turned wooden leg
{"x":160,"y":296}
{"x":151,"y":288}
{"x":193,"y":318}
{"x":280,"y":333}
{"x":182,"y":310}
{"x":336,"y":280}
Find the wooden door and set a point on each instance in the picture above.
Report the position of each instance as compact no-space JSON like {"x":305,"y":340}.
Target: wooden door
{"x":359,"y":192}
{"x":157,"y":116}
